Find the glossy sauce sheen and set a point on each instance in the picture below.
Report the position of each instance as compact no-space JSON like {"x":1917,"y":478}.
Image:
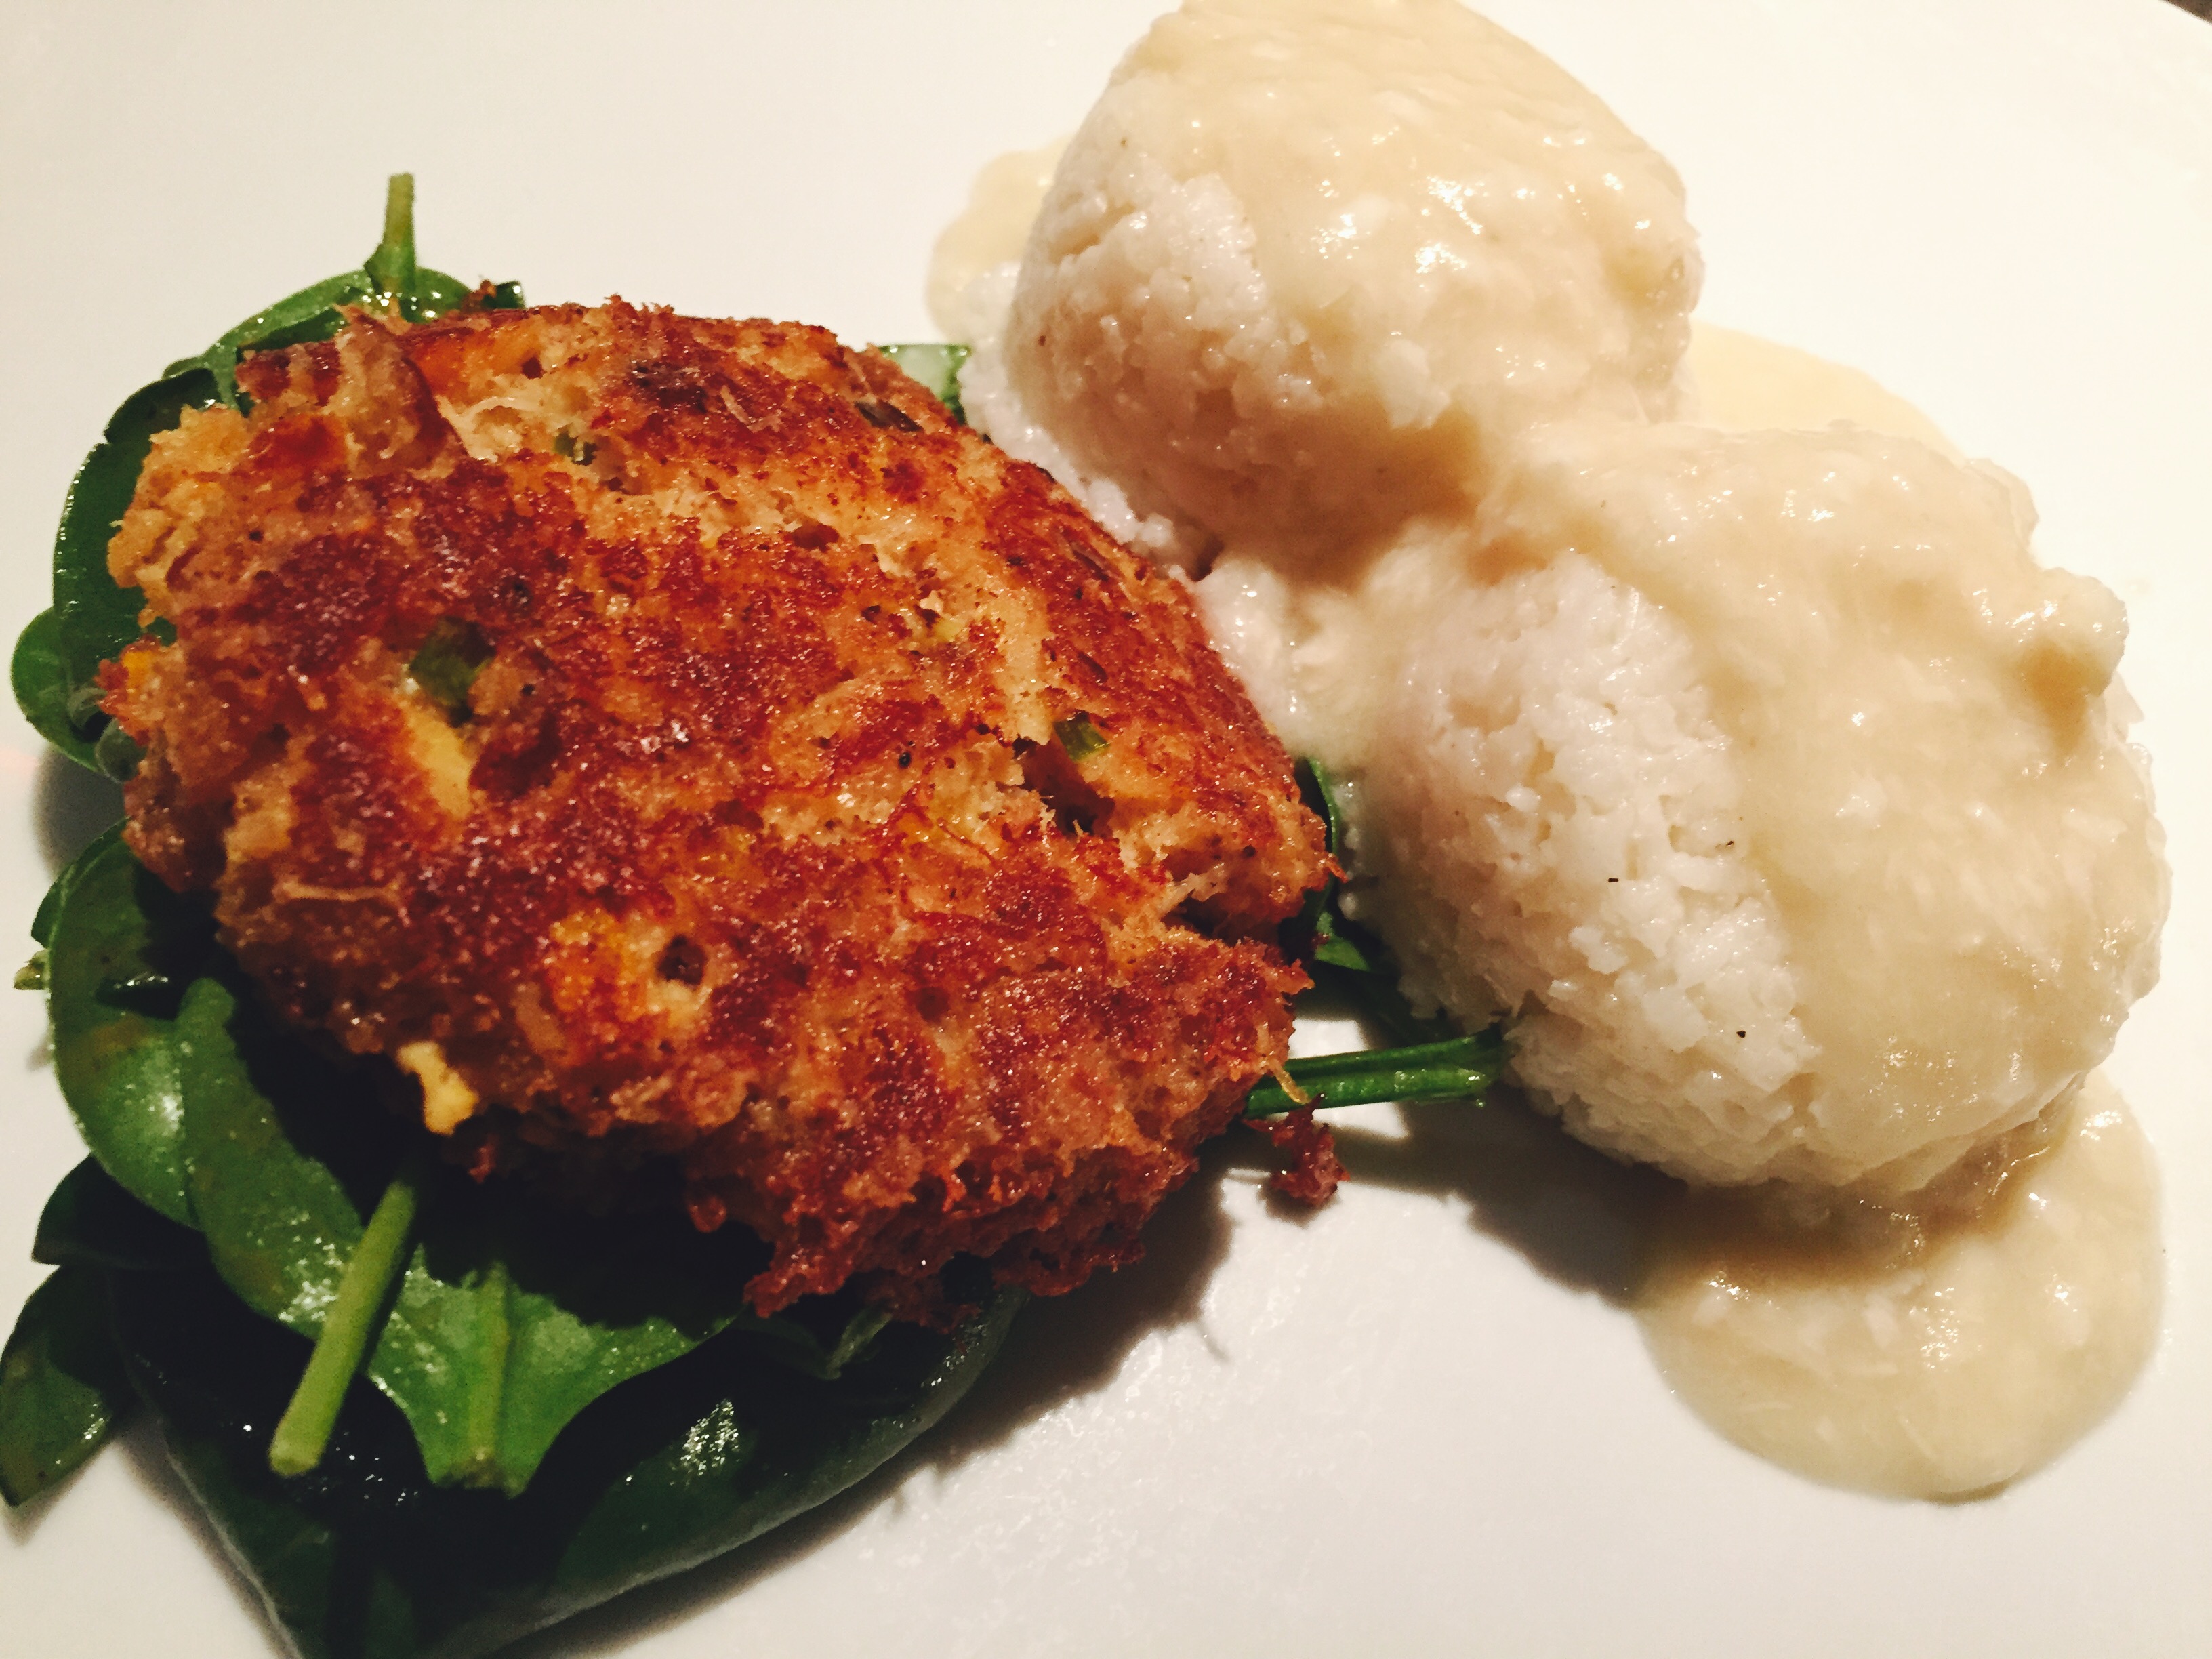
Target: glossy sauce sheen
{"x":1309,"y":264}
{"x":1935,"y":790}
{"x":1922,"y":1357}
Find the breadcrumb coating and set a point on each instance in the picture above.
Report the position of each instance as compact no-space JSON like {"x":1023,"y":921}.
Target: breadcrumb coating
{"x":677,"y":744}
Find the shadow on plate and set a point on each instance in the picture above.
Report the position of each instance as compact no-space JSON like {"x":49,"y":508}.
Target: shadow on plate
{"x":1060,"y":1349}
{"x":1576,"y":1216}
{"x":72,"y":806}
{"x":1579,"y":1218}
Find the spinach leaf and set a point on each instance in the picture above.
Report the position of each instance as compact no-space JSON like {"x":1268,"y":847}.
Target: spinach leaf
{"x":510,"y":1322}
{"x":819,"y":1347}
{"x":389,"y":280}
{"x":50,"y":907}
{"x":510,"y":1318}
{"x":55,"y":664}
{"x":62,"y":1385}
{"x":1079,"y":738}
{"x":95,"y":619}
{"x":268,"y":1183}
{"x":1330,"y":938}
{"x":57,"y":661}
{"x":122,"y":950}
{"x":938,"y":368}
{"x":1341,"y":956}
{"x":446,"y":664}
{"x":90,"y":1221}
{"x":42,"y":685}
{"x":364,"y":1559}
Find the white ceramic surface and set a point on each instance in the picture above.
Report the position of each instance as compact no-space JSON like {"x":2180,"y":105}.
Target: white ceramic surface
{"x":1417,"y":1422}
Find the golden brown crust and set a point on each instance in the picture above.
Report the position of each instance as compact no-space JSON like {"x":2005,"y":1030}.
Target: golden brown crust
{"x":755,"y":847}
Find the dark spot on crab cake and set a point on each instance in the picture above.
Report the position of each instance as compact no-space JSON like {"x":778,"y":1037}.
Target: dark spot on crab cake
{"x":679,"y":745}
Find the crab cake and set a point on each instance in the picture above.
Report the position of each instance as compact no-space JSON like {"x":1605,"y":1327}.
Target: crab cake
{"x":679,"y":745}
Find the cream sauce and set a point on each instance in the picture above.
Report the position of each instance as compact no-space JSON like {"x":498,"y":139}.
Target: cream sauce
{"x":1002,"y":205}
{"x":1308,"y":266}
{"x":1935,"y":790}
{"x":1921,"y":1356}
{"x":1742,"y":383}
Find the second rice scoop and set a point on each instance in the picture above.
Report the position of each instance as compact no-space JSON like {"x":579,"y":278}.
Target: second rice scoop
{"x":680,"y":746}
{"x":1307,"y":267}
{"x":1773,"y":789}
{"x":1764,"y":783}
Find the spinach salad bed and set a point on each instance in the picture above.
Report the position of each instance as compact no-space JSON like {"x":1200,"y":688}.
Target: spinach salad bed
{"x":489,"y":1413}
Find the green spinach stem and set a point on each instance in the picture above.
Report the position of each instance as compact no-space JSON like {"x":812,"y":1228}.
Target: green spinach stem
{"x":392,"y":267}
{"x":487,"y":1398}
{"x":1463,"y":1068}
{"x":352,"y":1320}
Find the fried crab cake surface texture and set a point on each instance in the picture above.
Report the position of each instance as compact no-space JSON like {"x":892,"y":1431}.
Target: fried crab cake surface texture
{"x":836,"y":814}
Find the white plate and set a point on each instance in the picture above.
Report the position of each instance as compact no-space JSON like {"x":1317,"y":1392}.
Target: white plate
{"x":1414,"y":1422}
